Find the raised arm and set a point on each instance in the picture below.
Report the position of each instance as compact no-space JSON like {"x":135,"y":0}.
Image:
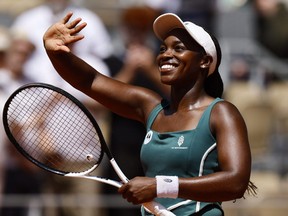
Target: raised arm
{"x":126,"y":100}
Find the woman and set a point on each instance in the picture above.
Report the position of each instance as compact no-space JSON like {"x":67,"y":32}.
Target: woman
{"x":196,"y":152}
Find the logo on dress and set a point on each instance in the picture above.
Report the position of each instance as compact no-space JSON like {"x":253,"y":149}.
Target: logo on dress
{"x":148,"y":137}
{"x":180,"y":140}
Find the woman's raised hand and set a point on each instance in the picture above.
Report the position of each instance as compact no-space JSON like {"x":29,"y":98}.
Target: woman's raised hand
{"x":61,"y":34}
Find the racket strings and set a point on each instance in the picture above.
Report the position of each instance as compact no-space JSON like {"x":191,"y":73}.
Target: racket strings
{"x":53,"y":130}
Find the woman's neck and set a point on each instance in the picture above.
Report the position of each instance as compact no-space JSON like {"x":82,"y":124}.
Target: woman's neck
{"x":188,"y":101}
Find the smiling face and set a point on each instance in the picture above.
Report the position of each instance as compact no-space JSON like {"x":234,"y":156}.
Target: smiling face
{"x":180,"y":58}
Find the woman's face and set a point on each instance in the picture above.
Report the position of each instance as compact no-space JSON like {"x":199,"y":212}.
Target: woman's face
{"x":179,"y":58}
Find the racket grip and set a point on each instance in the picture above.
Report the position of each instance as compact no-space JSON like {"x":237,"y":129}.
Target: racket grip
{"x":157,"y":209}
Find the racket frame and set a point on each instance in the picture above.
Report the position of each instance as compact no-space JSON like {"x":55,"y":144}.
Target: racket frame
{"x":152,"y":206}
{"x":76,"y":102}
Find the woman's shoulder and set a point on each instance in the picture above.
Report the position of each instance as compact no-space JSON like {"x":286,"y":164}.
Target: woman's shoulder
{"x":224,"y":110}
{"x":222,"y":105}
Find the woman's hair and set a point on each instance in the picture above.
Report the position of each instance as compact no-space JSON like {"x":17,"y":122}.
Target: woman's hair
{"x":213,"y":84}
{"x":252,"y":189}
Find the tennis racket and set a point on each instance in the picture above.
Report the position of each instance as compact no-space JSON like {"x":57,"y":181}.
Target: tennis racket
{"x":55,"y":131}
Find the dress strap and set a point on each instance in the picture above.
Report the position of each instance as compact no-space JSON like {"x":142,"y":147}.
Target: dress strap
{"x":155,"y":112}
{"x":205,"y":118}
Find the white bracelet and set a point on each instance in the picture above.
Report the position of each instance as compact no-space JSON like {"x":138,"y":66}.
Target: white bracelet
{"x":167,"y":186}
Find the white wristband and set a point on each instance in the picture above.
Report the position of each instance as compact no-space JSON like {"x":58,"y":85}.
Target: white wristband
{"x":167,"y":186}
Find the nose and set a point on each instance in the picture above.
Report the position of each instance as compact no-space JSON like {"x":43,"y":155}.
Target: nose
{"x":164,"y":55}
{"x":167,"y":53}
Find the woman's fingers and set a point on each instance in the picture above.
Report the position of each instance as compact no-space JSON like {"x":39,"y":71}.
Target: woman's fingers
{"x":79,"y":27}
{"x":67,"y":18}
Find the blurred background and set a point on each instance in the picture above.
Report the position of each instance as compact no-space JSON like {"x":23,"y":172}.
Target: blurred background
{"x":254,"y":38}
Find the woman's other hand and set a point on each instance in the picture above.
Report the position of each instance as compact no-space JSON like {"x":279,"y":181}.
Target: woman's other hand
{"x":63,"y":33}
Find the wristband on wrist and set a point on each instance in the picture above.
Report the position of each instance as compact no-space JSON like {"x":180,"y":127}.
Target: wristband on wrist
{"x":167,"y":186}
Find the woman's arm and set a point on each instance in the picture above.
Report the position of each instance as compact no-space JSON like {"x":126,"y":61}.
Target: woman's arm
{"x":126,"y":100}
{"x":234,"y":156}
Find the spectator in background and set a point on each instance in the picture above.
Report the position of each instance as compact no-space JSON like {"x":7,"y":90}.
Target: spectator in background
{"x":271,"y":22}
{"x":95,"y":47}
{"x":135,"y":49}
{"x":19,"y":175}
{"x":12,"y":73}
{"x":134,"y":64}
{"x":4,"y":45}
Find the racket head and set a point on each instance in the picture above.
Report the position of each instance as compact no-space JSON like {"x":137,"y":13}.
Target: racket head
{"x":53,"y":129}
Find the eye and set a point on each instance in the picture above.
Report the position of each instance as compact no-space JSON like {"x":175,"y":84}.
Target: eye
{"x":162,"y":49}
{"x":180,"y":48}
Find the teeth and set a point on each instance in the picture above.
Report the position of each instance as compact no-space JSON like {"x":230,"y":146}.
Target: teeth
{"x":167,"y":66}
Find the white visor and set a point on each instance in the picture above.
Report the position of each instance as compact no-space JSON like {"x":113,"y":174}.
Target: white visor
{"x":169,"y":21}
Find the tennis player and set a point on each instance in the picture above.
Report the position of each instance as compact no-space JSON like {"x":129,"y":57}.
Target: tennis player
{"x":196,"y":152}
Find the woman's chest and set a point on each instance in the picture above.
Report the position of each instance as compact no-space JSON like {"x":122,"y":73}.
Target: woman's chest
{"x":179,"y":152}
{"x":180,"y":121}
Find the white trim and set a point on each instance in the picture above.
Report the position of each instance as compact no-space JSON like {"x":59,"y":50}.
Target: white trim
{"x":185,"y":202}
{"x":202,"y":167}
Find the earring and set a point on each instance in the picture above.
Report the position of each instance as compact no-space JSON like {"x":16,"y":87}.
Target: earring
{"x":203,"y":66}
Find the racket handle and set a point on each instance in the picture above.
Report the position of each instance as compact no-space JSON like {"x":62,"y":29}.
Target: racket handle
{"x":152,"y":207}
{"x":157,"y":209}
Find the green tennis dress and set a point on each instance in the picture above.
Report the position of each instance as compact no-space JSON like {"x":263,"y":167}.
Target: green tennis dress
{"x":188,"y":153}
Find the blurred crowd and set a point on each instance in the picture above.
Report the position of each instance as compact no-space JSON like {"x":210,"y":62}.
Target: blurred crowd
{"x":256,"y":81}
